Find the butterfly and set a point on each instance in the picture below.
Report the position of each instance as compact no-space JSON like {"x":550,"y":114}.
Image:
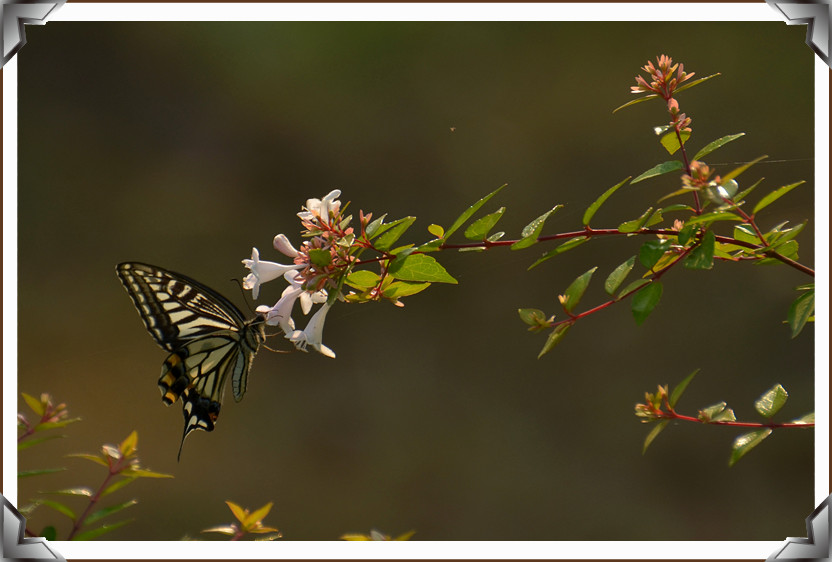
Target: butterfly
{"x":208,"y":338}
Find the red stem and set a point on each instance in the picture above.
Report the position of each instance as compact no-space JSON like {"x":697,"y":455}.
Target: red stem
{"x":673,"y":415}
{"x":113,"y":470}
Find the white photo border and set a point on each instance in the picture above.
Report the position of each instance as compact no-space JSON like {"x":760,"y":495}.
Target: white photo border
{"x":415,"y":12}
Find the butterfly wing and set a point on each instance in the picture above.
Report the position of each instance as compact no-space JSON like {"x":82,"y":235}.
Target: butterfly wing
{"x":209,"y":339}
{"x":174,"y":308}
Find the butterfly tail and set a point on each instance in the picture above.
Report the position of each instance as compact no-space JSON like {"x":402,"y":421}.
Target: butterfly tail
{"x":200,"y":413}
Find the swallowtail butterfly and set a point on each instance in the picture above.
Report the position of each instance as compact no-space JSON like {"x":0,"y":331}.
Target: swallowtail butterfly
{"x":208,"y":338}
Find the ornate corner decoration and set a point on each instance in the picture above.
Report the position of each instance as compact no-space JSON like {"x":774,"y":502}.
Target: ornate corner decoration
{"x":13,"y":545}
{"x":816,"y":546}
{"x":17,"y":13}
{"x":814,"y":14}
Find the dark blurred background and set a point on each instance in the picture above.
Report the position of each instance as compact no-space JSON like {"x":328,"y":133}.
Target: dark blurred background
{"x":185,"y":144}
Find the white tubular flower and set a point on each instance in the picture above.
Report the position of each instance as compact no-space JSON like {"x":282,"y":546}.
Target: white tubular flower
{"x":308,"y":299}
{"x":322,"y":208}
{"x":262,"y":272}
{"x":312,"y":334}
{"x":281,"y":313}
{"x":282,"y":245}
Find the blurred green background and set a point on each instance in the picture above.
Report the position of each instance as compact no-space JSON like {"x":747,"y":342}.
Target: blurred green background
{"x":185,"y":144}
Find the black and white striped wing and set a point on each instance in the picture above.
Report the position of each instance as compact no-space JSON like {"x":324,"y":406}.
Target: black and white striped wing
{"x":209,"y":339}
{"x":175,"y":308}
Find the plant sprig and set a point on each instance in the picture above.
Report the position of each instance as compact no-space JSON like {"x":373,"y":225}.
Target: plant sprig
{"x":659,"y":408}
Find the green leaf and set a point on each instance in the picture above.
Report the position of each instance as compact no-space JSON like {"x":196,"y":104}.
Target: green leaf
{"x":635,"y":101}
{"x":95,"y":533}
{"x":532,"y":231}
{"x":746,"y":192}
{"x":119,"y":484}
{"x":142,"y":473}
{"x":321,"y":258}
{"x":372,"y":229}
{"x":774,"y":196}
{"x":532,"y":316}
{"x":632,"y":287}
{"x":393,"y":233}
{"x":436,"y":230}
{"x":686,"y":233}
{"x":670,"y":141}
{"x":81,"y":491}
{"x":683,"y":191}
{"x":38,"y":472}
{"x":717,"y":412}
{"x":421,"y":268}
{"x":470,"y":211}
{"x":708,"y":218}
{"x":800,"y":311}
{"x":31,"y":442}
{"x":480,"y":228}
{"x":592,"y":209}
{"x":771,"y":401}
{"x":807,"y":419}
{"x":653,"y":434}
{"x":718,"y":143}
{"x":129,"y":445}
{"x":695,"y":82}
{"x":576,"y":290}
{"x":33,"y":403}
{"x":782,"y":236}
{"x":239,"y":513}
{"x":49,"y":533}
{"x":745,"y":233}
{"x":645,"y":301}
{"x":737,"y":171}
{"x":725,"y":415}
{"x":680,"y":388}
{"x":566,"y":246}
{"x":635,"y":224}
{"x":665,"y":261}
{"x":663,"y":168}
{"x":746,"y":442}
{"x":59,"y":507}
{"x":363,"y":279}
{"x":616,"y":278}
{"x":401,"y":289}
{"x":57,"y":424}
{"x":651,"y":251}
{"x":94,"y":458}
{"x":702,"y":256}
{"x":676,"y":207}
{"x":223,"y":529}
{"x":554,"y":338}
{"x":257,"y":515}
{"x":101,"y":513}
{"x":655,"y":218}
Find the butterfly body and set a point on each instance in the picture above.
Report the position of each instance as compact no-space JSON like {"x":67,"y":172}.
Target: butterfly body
{"x":207,"y":336}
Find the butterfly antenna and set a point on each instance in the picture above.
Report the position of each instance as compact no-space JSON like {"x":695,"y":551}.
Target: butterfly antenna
{"x":243,"y":293}
{"x":277,"y":350}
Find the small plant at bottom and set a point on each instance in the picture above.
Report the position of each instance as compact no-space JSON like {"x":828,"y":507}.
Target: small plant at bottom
{"x":121,"y":461}
{"x":123,"y":467}
{"x":247,"y":522}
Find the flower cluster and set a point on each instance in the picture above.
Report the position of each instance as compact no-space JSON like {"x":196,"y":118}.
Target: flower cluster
{"x":699,"y":176}
{"x":651,"y":409}
{"x":312,"y":276}
{"x":664,"y":84}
